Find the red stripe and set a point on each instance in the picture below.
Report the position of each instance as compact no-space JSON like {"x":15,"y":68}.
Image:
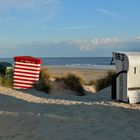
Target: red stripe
{"x":23,"y":87}
{"x":30,"y":64}
{"x":25,"y":80}
{"x":27,"y":69}
{"x":28,"y":78}
{"x":24,"y":83}
{"x":27,"y":59}
{"x":33,"y":70}
{"x":26,"y":72}
{"x":27,"y":65}
{"x":25,"y":76}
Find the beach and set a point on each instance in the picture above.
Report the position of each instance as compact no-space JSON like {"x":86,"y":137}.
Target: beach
{"x":87,"y":74}
{"x":35,"y":115}
{"x":69,"y":70}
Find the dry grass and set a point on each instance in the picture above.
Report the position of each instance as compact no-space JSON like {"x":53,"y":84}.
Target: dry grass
{"x":75,"y":83}
{"x":71,"y":81}
{"x":44,"y":83}
{"x":6,"y":81}
{"x":103,"y":82}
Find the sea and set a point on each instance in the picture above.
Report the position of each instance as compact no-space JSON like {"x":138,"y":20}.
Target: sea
{"x":77,"y":62}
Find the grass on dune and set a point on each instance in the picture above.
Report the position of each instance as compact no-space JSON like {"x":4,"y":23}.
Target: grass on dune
{"x":103,"y":82}
{"x":44,"y":81}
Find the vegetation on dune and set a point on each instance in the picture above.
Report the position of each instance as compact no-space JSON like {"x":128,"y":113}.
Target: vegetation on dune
{"x":103,"y":82}
{"x":44,"y":83}
{"x":6,"y":81}
{"x":75,"y":83}
{"x":71,"y":81}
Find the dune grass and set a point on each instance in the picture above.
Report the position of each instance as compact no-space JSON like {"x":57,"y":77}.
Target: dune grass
{"x":44,"y":81}
{"x":75,"y":83}
{"x":71,"y":81}
{"x":103,"y":82}
{"x":6,"y":81}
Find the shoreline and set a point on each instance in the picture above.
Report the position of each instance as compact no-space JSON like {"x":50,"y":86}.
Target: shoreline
{"x":95,"y":67}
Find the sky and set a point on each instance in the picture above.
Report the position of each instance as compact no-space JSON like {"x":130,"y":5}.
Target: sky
{"x":68,"y":28}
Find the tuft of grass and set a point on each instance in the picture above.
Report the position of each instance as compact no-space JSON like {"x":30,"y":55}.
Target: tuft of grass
{"x":6,"y":81}
{"x":75,"y":83}
{"x":103,"y":82}
{"x":44,"y":81}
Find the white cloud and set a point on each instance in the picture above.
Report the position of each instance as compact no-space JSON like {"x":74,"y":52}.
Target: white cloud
{"x":91,"y":47}
{"x":107,"y":12}
{"x":138,"y":38}
{"x":95,"y":43}
{"x":81,"y":44}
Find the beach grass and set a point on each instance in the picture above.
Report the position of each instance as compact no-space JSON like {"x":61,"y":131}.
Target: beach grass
{"x":103,"y":82}
{"x":6,"y":81}
{"x":75,"y":83}
{"x":44,"y":83}
{"x":73,"y":80}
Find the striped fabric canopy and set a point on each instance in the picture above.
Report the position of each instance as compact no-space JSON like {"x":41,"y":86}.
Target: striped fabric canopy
{"x":26,"y":71}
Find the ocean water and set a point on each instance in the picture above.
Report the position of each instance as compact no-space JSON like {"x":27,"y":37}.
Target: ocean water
{"x":86,"y":62}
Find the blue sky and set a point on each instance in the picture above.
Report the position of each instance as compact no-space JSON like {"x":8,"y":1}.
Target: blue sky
{"x":63,"y":28}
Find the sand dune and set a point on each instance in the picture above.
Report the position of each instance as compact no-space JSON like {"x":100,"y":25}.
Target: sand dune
{"x":29,"y":114}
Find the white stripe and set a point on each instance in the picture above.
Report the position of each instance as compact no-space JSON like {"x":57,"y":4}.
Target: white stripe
{"x":18,"y":66}
{"x":21,"y":70}
{"x":29,"y":64}
{"x":33,"y":75}
{"x":22,"y":81}
{"x":26,"y":78}
{"x":16,"y":84}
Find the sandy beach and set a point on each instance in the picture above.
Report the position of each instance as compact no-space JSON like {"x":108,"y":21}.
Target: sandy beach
{"x":86,"y":73}
{"x":35,"y":115}
{"x":62,"y":65}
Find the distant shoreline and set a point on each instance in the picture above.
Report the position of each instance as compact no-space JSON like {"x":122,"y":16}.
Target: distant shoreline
{"x":81,"y":62}
{"x":96,"y":67}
